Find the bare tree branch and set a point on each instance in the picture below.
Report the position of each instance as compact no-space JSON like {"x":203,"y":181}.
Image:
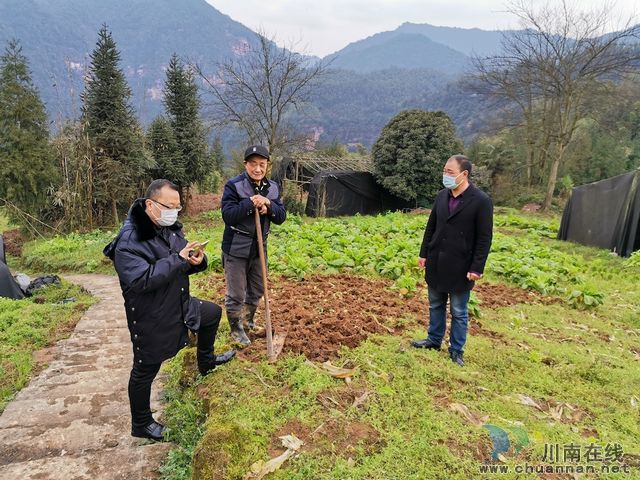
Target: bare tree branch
{"x":260,"y":90}
{"x":551,"y":69}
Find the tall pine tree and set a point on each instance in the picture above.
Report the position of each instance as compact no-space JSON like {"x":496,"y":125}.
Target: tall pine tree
{"x":164,"y":149}
{"x":210,"y":183}
{"x":27,"y":169}
{"x":217,"y":156}
{"x":117,"y":139}
{"x":183,"y":108}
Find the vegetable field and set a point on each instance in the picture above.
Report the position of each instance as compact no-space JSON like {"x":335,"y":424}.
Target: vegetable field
{"x":552,"y":359}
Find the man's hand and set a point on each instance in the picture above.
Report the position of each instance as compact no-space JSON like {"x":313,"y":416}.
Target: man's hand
{"x":196,"y":258}
{"x":259,"y":201}
{"x":473,"y":276}
{"x":422,"y":262}
{"x":184,"y":253}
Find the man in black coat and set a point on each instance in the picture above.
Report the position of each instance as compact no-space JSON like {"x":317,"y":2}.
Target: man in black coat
{"x":454,"y":250}
{"x":153,"y":261}
{"x":243,"y":195}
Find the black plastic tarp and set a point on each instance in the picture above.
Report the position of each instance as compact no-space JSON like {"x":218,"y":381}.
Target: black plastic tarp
{"x":336,"y":193}
{"x":9,"y":288}
{"x":3,"y":256}
{"x":605,"y":214}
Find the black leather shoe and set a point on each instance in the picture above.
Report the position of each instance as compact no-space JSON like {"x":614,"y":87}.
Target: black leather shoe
{"x":219,"y":360}
{"x":152,"y":431}
{"x":456,"y":357}
{"x":426,"y":343}
{"x":225,"y":357}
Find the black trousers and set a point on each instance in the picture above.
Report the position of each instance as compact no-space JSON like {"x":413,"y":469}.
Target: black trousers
{"x":142,"y":375}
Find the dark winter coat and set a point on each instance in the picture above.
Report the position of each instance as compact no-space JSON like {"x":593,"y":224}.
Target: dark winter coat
{"x":239,"y":238}
{"x":457,"y":243}
{"x":155,"y":285}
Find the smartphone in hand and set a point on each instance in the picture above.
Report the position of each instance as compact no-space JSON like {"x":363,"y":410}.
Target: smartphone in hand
{"x":198,"y":248}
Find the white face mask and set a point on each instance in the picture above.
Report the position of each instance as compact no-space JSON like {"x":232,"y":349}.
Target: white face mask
{"x":167,"y":217}
{"x":450,"y":182}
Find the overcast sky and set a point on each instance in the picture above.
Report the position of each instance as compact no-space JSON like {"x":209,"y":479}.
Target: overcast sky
{"x":325,"y":26}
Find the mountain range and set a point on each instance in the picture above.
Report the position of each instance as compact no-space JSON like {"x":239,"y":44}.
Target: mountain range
{"x":414,"y":66}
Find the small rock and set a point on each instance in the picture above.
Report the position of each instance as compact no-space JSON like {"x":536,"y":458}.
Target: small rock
{"x":111,"y":442}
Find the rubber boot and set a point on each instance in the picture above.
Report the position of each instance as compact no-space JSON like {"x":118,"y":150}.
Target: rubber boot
{"x":249,"y":312}
{"x":237,"y":331}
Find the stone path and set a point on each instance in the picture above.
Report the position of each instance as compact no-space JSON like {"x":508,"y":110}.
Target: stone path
{"x":72,"y":421}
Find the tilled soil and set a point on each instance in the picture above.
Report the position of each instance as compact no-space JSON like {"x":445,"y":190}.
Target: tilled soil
{"x":203,"y":202}
{"x":13,"y":242}
{"x":322,"y":313}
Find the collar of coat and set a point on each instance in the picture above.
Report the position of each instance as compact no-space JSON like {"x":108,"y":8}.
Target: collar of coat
{"x":261,"y":187}
{"x":141,"y":222}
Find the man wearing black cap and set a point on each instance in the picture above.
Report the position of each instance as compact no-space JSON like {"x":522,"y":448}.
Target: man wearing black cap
{"x":242,"y":195}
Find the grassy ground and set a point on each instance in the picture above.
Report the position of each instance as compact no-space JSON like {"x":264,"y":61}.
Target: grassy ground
{"x":5,"y":224}
{"x":29,"y":325}
{"x":81,"y":253}
{"x":563,"y":374}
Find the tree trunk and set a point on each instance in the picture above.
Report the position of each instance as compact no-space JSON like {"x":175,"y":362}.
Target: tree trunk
{"x":185,"y":200}
{"x":114,"y":211}
{"x":553,"y":177}
{"x":90,"y":192}
{"x":530,"y":159}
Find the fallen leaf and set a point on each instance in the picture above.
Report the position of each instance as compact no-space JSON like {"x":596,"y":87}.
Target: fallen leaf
{"x":261,"y":468}
{"x":466,"y":413}
{"x":337,"y":372}
{"x":556,"y":413}
{"x":530,"y":402}
{"x":378,"y":373}
{"x":361,"y":399}
{"x":291,"y":442}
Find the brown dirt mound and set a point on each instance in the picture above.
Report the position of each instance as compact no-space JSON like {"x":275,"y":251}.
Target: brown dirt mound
{"x":203,"y":202}
{"x":494,"y":295}
{"x":419,"y":211}
{"x":344,"y":398}
{"x":322,"y":313}
{"x":13,"y":241}
{"x":342,"y":436}
{"x":481,"y":450}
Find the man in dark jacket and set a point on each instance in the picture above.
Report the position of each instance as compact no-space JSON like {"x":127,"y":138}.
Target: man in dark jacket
{"x":243,"y":195}
{"x":154,"y":261}
{"x":454,"y":251}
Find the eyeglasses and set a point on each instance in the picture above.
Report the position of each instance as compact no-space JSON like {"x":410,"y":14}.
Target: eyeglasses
{"x":178,"y":208}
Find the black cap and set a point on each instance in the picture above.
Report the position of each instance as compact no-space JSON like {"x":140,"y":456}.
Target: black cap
{"x":256,"y":150}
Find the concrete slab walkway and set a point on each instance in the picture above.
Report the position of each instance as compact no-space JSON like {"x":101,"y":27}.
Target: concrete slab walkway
{"x":72,"y":421}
